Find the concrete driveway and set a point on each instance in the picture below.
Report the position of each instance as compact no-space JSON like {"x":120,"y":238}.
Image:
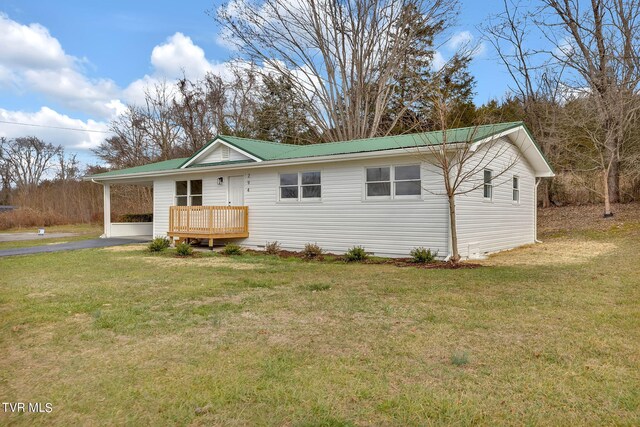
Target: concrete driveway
{"x":81,"y":244}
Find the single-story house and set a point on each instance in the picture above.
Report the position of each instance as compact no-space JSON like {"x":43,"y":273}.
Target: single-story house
{"x":381,"y":193}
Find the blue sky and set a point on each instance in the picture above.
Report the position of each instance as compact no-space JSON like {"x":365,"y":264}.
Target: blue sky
{"x":77,"y":63}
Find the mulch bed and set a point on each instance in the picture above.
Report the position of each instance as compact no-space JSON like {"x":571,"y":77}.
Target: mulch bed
{"x":398,"y":262}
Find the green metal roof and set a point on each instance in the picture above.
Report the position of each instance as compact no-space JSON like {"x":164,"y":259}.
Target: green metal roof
{"x":151,"y":167}
{"x":266,"y":150}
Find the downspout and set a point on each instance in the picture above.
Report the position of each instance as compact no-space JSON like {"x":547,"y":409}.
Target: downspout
{"x":535,"y":211}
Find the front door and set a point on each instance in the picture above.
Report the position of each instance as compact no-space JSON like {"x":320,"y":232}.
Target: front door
{"x":235,"y":196}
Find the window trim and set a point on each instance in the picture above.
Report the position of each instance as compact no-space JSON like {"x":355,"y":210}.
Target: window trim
{"x":300,"y":186}
{"x":515,"y":189}
{"x":486,"y":184}
{"x":188,"y":196}
{"x":392,"y":183}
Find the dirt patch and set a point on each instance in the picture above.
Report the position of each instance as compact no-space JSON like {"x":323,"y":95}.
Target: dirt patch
{"x":197,"y":262}
{"x":126,"y":248}
{"x":588,"y":217}
{"x":552,"y":252}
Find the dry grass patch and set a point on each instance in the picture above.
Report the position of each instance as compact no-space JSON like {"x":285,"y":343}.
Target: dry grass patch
{"x":167,"y":262}
{"x":126,"y":248}
{"x":552,"y":252}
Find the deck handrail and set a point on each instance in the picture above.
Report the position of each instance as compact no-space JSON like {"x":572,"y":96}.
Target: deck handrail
{"x":209,"y":221}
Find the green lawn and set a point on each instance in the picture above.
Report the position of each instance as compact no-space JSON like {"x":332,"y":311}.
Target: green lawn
{"x":548,"y":335}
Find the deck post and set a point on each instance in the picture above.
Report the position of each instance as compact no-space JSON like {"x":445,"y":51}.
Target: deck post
{"x":107,"y":210}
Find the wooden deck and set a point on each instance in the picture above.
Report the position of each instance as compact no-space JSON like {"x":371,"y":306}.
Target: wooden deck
{"x":208,"y":222}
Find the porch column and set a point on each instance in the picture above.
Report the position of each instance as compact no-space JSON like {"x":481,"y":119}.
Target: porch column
{"x":107,"y":210}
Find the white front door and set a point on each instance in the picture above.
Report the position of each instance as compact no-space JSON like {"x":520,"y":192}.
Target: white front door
{"x":235,"y":195}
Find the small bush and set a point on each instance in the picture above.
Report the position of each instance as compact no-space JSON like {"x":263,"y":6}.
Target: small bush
{"x":272,"y":248}
{"x":129,"y":217}
{"x":184,"y":249}
{"x":159,"y":244}
{"x":356,"y":253}
{"x":422,"y":255}
{"x":232,"y":249}
{"x":311,"y":251}
{"x":460,"y":358}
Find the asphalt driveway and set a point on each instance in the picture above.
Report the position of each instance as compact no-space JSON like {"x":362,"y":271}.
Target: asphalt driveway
{"x":81,"y":244}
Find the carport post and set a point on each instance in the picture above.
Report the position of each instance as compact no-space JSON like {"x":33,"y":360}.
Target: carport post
{"x":107,"y":210}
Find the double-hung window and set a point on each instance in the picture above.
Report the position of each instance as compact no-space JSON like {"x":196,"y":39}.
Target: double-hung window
{"x":301,"y":186}
{"x":488,"y":184}
{"x":516,"y":189}
{"x":393,"y":182}
{"x":189,"y":193}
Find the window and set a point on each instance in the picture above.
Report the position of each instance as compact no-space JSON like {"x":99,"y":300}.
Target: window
{"x":378,"y":182}
{"x":311,"y":188}
{"x":406,"y":181}
{"x":516,"y":189}
{"x":289,"y":186}
{"x":488,"y":185}
{"x":298,"y":186}
{"x":189,"y":193}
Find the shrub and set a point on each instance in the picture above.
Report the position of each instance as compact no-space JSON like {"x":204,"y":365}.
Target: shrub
{"x":159,"y":244}
{"x":184,"y":249}
{"x":460,"y":358}
{"x":356,"y":253}
{"x":422,"y":255}
{"x":272,"y":248}
{"x":129,"y":217}
{"x":232,"y":249}
{"x":311,"y":251}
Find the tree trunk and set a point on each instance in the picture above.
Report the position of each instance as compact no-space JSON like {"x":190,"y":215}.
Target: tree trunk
{"x":613,"y":182}
{"x":455,"y":256}
{"x":607,"y":201}
{"x":545,"y":193}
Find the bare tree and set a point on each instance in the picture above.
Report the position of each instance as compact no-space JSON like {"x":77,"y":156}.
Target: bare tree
{"x":199,"y":110}
{"x":598,"y":45}
{"x":461,"y":161}
{"x":340,"y":56}
{"x":536,"y":86}
{"x":158,"y":124}
{"x":26,"y":160}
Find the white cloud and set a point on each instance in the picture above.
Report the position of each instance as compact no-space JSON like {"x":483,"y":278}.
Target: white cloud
{"x":438,"y":61}
{"x":73,"y":140}
{"x":179,"y":55}
{"x":459,"y":40}
{"x":30,"y":46}
{"x":31,"y":60}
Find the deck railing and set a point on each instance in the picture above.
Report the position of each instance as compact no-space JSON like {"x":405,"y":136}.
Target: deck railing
{"x":209,"y":221}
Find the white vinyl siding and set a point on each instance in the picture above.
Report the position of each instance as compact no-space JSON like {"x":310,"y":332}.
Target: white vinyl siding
{"x":342,"y":220}
{"x":222,"y":153}
{"x":502,"y":224}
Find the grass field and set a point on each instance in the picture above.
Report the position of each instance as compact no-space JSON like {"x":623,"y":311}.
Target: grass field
{"x":84,"y":231}
{"x":548,"y":335}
